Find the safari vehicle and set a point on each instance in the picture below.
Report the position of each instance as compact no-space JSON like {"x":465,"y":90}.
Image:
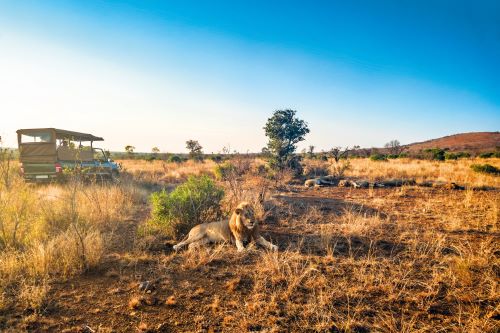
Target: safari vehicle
{"x":47,"y":154}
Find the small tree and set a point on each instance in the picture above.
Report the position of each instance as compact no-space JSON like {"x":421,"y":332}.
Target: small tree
{"x":337,"y":152}
{"x":155,"y":150}
{"x":394,"y":147}
{"x":130,"y":150}
{"x":284,"y":131}
{"x":195,"y":150}
{"x":310,"y":152}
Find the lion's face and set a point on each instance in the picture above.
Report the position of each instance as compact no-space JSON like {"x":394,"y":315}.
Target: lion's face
{"x":246,"y":215}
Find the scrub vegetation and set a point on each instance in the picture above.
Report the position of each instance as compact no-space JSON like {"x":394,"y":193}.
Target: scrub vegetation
{"x":401,"y":259}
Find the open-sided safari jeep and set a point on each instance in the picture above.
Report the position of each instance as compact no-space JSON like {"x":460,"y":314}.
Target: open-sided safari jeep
{"x":52,"y":154}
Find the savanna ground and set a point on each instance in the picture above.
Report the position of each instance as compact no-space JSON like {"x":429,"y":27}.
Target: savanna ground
{"x":403,"y":259}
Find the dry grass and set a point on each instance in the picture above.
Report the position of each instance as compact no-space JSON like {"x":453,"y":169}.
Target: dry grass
{"x":457,"y":171}
{"x":54,"y":232}
{"x":161,"y":172}
{"x":408,"y":259}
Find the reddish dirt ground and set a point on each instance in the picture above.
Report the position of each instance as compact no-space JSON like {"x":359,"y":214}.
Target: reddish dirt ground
{"x":476,"y":141}
{"x":182,"y":295}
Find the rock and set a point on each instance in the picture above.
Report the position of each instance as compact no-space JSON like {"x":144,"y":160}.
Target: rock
{"x":146,"y":286}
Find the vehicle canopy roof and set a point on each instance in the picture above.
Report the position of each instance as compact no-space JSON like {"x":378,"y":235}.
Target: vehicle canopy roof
{"x":62,"y":134}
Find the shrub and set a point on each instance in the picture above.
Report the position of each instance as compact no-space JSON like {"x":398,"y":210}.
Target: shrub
{"x":485,"y":168}
{"x":315,"y":169}
{"x":194,"y":202}
{"x":294,"y":165}
{"x":455,"y":156}
{"x":450,"y":156}
{"x":463,"y":154}
{"x":378,"y":157}
{"x":436,"y":153}
{"x":392,"y":156}
{"x":338,"y":169}
{"x":224,"y":171}
{"x":487,"y":154}
{"x":175,"y":159}
{"x":216,"y":158}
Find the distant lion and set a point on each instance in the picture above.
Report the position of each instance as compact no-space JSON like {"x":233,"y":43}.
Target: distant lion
{"x":241,"y":227}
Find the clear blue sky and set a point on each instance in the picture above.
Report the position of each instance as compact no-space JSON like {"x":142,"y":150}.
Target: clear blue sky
{"x":156,"y":73}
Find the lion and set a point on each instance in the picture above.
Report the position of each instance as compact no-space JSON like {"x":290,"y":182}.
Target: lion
{"x":245,"y":228}
{"x":240,"y":228}
{"x":321,"y":181}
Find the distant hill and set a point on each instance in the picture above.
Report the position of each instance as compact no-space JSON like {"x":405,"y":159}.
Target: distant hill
{"x":474,"y":141}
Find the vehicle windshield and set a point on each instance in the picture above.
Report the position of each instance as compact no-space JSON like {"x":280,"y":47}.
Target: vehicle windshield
{"x":36,"y":137}
{"x":100,"y":155}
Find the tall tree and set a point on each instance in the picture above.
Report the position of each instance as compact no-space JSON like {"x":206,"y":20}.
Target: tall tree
{"x":284,"y":131}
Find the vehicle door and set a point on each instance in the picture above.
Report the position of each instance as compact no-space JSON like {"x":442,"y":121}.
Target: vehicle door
{"x":103,"y":167}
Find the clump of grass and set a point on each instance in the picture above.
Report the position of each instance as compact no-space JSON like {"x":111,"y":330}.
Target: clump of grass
{"x":224,"y":171}
{"x":53,"y":232}
{"x":315,"y":168}
{"x":485,"y":168}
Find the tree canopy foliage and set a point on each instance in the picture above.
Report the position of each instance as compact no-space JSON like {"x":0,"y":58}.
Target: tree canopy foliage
{"x":284,"y":131}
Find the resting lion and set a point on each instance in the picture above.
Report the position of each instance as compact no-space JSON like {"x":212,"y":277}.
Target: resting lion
{"x":241,"y":227}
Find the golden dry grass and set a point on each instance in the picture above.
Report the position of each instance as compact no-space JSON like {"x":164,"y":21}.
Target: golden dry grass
{"x":408,"y":259}
{"x":457,"y":171}
{"x":54,"y":232}
{"x":162,"y":172}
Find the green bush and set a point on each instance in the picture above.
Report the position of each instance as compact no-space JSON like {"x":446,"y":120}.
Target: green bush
{"x":455,"y":156}
{"x":463,"y":154}
{"x":487,"y":154}
{"x":175,"y":159}
{"x":224,"y":171}
{"x":378,"y":157}
{"x":392,"y":156}
{"x":436,"y":153}
{"x":216,"y":158}
{"x":194,"y":202}
{"x":450,"y":156}
{"x":486,"y":168}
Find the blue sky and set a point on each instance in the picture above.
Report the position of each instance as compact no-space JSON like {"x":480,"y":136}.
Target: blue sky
{"x":157,"y":73}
